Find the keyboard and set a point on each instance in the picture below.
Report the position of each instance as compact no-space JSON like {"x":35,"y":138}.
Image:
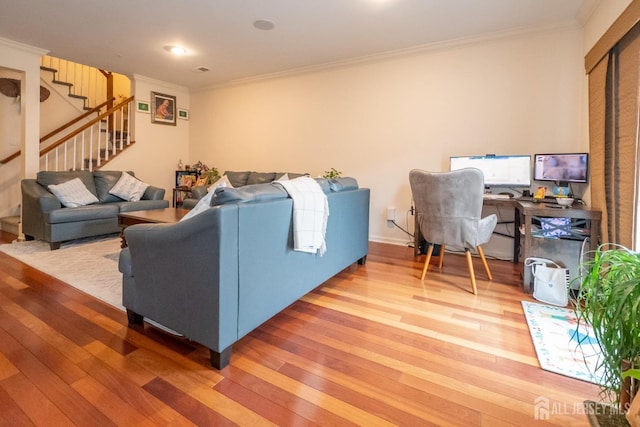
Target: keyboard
{"x":496,"y":196}
{"x":546,"y":199}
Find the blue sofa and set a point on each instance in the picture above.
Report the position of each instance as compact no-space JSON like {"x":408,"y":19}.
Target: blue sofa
{"x":220,"y":274}
{"x":45,"y":218}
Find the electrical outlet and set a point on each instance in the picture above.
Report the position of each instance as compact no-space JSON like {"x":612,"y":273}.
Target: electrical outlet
{"x":391,"y":214}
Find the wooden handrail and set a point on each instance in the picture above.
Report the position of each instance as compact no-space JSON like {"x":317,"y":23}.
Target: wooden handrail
{"x":11,"y":157}
{"x":85,"y":127}
{"x":60,"y":129}
{"x":76,"y":120}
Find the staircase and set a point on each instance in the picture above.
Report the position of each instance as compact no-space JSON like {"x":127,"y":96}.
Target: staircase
{"x":88,"y":142}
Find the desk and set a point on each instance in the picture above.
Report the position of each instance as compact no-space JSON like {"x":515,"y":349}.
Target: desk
{"x":584,"y":218}
{"x":525,"y":212}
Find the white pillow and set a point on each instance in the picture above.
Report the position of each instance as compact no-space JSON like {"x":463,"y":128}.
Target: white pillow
{"x":222,"y":182}
{"x":202,"y":205}
{"x":129,"y":188}
{"x":205,"y":203}
{"x":73,"y":193}
{"x":284,"y":177}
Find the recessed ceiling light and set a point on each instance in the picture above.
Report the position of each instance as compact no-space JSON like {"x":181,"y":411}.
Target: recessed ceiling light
{"x":262,"y":24}
{"x":176,"y":50}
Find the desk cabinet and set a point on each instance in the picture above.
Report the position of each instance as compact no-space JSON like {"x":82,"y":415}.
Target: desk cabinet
{"x":565,"y":250}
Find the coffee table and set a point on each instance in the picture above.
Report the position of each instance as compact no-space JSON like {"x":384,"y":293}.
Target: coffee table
{"x":152,"y":216}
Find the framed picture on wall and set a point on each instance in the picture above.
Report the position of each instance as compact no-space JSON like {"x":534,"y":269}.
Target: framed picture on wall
{"x":183,"y":114}
{"x":163,"y":108}
{"x":142,"y":106}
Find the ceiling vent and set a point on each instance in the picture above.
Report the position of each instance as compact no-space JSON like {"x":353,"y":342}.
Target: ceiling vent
{"x":201,"y":69}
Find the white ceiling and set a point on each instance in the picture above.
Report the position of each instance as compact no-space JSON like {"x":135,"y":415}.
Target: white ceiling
{"x":129,"y":37}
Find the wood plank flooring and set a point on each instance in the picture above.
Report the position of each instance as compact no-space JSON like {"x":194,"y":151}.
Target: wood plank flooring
{"x":372,"y":346}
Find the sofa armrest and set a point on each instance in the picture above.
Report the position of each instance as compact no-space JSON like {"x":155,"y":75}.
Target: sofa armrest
{"x":36,"y":201}
{"x":153,"y":193}
{"x":185,"y":275}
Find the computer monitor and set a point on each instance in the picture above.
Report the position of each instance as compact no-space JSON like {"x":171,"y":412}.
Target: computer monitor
{"x":499,"y":171}
{"x":562,"y":168}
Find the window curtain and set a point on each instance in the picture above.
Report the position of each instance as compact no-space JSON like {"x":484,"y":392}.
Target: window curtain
{"x":613,"y":138}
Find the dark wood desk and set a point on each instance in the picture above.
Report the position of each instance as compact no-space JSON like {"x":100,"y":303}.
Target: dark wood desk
{"x":525,"y":213}
{"x":587,"y":219}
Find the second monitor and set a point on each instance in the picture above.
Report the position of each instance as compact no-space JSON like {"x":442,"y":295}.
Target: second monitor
{"x":499,"y":171}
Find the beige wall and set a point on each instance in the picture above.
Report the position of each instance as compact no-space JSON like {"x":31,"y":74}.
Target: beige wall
{"x":158,"y":146}
{"x":376,"y":121}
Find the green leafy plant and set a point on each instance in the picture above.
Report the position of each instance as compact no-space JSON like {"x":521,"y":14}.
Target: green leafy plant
{"x":609,"y":300}
{"x":332,"y":174}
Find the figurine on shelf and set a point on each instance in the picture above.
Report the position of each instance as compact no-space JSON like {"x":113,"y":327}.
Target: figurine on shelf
{"x":180,"y":165}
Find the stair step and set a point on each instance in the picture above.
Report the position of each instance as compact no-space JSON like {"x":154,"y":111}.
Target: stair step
{"x":9,"y":224}
{"x":73,"y":95}
{"x":53,"y":70}
{"x":60,"y":82}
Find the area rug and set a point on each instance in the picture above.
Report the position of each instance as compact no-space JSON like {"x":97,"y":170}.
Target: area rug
{"x":90,"y":265}
{"x":560,"y":346}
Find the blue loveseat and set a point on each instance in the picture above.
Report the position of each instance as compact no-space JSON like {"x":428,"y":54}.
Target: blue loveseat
{"x":220,"y":274}
{"x":45,"y":218}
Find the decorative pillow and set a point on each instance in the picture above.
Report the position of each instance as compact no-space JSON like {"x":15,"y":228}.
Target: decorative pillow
{"x":221,"y":182}
{"x":202,"y":205}
{"x":73,"y":193}
{"x":129,"y":188}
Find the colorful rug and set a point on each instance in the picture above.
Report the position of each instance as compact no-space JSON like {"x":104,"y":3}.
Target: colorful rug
{"x":560,"y":346}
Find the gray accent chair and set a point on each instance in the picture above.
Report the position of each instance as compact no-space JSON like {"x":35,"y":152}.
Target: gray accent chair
{"x":449,"y":208}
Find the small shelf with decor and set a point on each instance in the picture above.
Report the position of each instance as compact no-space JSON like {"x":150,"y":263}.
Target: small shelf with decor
{"x":184,"y":180}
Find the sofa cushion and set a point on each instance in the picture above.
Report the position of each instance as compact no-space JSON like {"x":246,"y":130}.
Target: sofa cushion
{"x":261,"y":177}
{"x":129,"y":188}
{"x":248,"y":194}
{"x":46,"y":178}
{"x":221,"y":182}
{"x":237,"y":179}
{"x":324,"y":184}
{"x":82,"y":213}
{"x":73,"y":193}
{"x":342,"y":184}
{"x":104,"y":181}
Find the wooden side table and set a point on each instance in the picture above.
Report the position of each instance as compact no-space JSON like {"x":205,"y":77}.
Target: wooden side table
{"x":179,"y":194}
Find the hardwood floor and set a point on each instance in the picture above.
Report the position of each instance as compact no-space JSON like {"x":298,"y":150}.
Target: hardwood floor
{"x":372,"y":346}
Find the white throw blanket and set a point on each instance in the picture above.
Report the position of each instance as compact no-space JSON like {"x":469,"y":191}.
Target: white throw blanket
{"x":310,"y":214}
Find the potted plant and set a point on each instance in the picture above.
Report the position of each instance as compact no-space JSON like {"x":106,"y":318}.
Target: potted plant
{"x":609,"y":301}
{"x":332,"y":174}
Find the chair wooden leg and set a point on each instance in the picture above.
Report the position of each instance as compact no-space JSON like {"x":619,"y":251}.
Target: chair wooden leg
{"x":474,"y":289}
{"x":426,"y":262}
{"x":441,"y":257}
{"x":484,"y":262}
